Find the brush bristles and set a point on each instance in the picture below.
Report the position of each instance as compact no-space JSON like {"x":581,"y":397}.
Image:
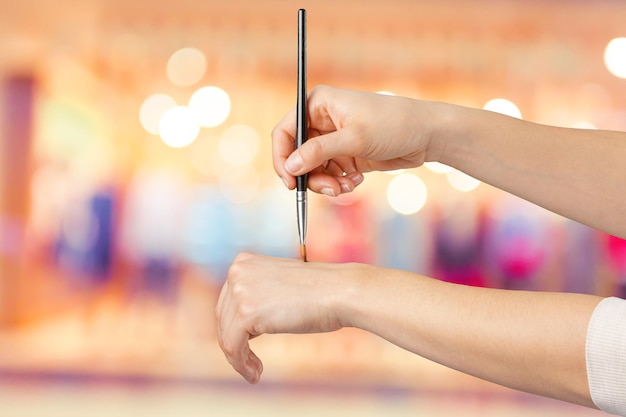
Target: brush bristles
{"x":303,"y":252}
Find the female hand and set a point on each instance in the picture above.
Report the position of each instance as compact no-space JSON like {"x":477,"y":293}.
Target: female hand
{"x":271,"y":295}
{"x":351,"y":132}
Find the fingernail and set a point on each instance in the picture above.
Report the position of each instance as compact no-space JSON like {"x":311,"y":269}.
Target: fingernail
{"x":328,"y":191}
{"x":356,"y":178}
{"x":294,"y":163}
{"x":345,"y":188}
{"x":285,"y":182}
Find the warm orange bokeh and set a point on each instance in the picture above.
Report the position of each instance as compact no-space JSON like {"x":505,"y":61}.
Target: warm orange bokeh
{"x":114,"y":244}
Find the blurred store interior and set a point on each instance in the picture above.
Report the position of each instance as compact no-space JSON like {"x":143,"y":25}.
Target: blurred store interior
{"x":136,"y":163}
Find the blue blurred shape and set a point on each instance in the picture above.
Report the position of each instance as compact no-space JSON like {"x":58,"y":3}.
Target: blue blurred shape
{"x":85,"y":244}
{"x":210,"y":232}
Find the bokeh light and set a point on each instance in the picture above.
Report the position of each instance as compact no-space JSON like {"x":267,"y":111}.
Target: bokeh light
{"x":212,"y":104}
{"x":615,"y":57}
{"x":240,"y":184}
{"x":503,"y":106}
{"x":407,"y":194}
{"x":152,"y":110}
{"x":179,"y":127}
{"x":461,"y":181}
{"x":186,"y":67}
{"x":239,"y":144}
{"x":151,"y":216}
{"x":130,"y":231}
{"x":438,"y":167}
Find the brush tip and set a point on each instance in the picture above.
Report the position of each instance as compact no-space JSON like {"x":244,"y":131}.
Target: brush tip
{"x":303,"y":252}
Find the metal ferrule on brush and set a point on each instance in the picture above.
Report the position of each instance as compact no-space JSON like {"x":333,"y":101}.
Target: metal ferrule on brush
{"x":301,"y":205}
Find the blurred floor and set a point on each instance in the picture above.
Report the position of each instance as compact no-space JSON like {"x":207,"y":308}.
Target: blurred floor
{"x":121,"y":362}
{"x":69,"y":398}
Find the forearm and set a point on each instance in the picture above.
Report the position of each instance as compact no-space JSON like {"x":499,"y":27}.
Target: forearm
{"x":530,"y":341}
{"x":576,"y":173}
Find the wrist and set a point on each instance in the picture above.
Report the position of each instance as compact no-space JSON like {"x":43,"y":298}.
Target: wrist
{"x":366,"y":296}
{"x":447,"y":130}
{"x":349,"y":300}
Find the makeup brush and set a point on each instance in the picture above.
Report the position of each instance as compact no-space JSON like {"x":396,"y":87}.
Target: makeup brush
{"x":302,"y":131}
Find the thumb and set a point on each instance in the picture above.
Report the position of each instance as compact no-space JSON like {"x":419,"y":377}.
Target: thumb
{"x":319,"y":149}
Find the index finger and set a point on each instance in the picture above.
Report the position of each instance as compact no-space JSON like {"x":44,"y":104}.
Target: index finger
{"x":233,"y":337}
{"x":283,"y":144}
{"x":234,"y":344}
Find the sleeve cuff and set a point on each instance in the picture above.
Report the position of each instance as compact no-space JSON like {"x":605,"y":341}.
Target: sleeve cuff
{"x":606,"y":356}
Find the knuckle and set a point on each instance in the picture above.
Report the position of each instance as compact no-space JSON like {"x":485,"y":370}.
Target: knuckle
{"x":229,"y":349}
{"x":245,"y":311}
{"x":276,"y":131}
{"x":322,"y":88}
{"x":241,"y":257}
{"x":318,"y":93}
{"x":318,"y":89}
{"x":237,"y":268}
{"x":238,"y":289}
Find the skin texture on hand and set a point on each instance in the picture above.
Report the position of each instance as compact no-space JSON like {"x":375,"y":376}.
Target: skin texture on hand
{"x":268,"y":295}
{"x":350,"y":133}
{"x":573,"y":172}
{"x":529,"y":341}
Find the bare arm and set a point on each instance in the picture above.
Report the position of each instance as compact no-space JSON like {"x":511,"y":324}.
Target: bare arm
{"x":574,"y":172}
{"x":529,"y":341}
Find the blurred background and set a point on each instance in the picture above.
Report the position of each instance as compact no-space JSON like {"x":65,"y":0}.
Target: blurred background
{"x":136,"y":163}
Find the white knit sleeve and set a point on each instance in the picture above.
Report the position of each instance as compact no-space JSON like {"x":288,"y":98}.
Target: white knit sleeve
{"x":606,"y":356}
